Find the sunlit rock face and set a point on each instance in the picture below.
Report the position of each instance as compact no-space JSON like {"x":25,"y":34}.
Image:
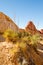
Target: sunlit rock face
{"x":6,"y":23}
{"x":31,"y":28}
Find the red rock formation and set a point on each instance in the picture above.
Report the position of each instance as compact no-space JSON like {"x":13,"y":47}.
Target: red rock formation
{"x":41,"y":31}
{"x":31,"y":28}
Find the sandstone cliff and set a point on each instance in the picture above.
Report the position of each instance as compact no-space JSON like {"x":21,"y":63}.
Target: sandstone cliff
{"x":31,"y":28}
{"x":6,"y":23}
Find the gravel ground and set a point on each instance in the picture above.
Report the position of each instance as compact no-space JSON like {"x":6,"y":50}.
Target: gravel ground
{"x":5,"y":56}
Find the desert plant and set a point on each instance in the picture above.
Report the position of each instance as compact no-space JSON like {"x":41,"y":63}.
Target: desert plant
{"x":34,"y":41}
{"x":21,"y":49}
{"x":20,"y":52}
{"x":23,"y":34}
{"x":35,"y":38}
{"x":10,"y":35}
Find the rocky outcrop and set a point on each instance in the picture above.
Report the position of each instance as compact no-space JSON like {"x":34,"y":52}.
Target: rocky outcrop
{"x":31,"y":27}
{"x":6,"y":23}
{"x":41,"y":31}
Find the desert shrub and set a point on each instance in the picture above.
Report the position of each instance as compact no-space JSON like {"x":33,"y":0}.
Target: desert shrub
{"x":23,"y":34}
{"x":25,"y":39}
{"x":34,"y":40}
{"x":21,"y":49}
{"x":19,"y":52}
{"x":10,"y":35}
{"x":19,"y":34}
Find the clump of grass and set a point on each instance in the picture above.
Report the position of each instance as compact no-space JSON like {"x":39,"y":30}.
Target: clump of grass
{"x":10,"y":35}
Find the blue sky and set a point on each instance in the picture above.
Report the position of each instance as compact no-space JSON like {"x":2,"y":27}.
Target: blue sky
{"x":22,"y":11}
